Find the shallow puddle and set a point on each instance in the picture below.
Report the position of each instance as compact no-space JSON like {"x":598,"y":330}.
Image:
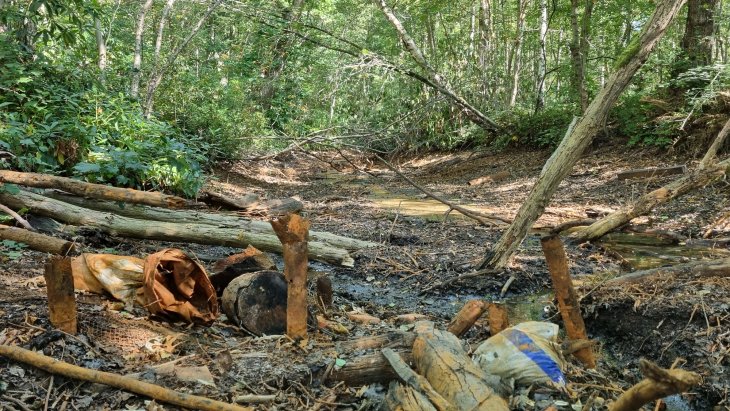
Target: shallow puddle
{"x":643,"y":257}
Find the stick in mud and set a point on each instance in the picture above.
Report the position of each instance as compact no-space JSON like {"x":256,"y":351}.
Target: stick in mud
{"x":557,"y":262}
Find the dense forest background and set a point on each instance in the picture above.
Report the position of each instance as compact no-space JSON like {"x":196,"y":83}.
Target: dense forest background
{"x":148,"y":94}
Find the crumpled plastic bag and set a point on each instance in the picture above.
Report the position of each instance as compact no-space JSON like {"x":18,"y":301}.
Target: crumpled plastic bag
{"x":167,"y":283}
{"x":528,"y":353}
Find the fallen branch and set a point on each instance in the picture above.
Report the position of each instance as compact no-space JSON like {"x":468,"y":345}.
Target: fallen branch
{"x":22,"y":221}
{"x":698,"y":178}
{"x":146,"y":389}
{"x":190,"y":233}
{"x":489,"y":220}
{"x":651,"y":172}
{"x":711,"y":153}
{"x":91,"y":190}
{"x":37,"y":241}
{"x":711,"y":268}
{"x":657,"y":383}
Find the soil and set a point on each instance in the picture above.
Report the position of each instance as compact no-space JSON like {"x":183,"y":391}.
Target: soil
{"x":673,"y":323}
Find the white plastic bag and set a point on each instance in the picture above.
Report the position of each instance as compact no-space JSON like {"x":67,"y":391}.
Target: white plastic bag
{"x":527,"y":352}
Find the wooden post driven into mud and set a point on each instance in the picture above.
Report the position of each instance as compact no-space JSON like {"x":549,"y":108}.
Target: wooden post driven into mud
{"x":61,"y":298}
{"x":557,"y":262}
{"x":498,"y":319}
{"x":466,"y":317}
{"x":292,"y":231}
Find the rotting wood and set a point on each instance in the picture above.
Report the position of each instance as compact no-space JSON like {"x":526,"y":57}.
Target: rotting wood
{"x":292,"y":231}
{"x":91,"y":190}
{"x":216,"y":219}
{"x":146,"y":389}
{"x":367,"y":369}
{"x":647,"y":202}
{"x":498,"y":319}
{"x":190,"y":233}
{"x":557,"y":262}
{"x":404,"y":398}
{"x":37,"y":241}
{"x":711,"y":154}
{"x":657,"y":383}
{"x":655,"y":239}
{"x":466,"y":317}
{"x":651,"y":172}
{"x":416,"y":381}
{"x":439,"y":357}
{"x":251,"y":203}
{"x":256,"y":302}
{"x":492,"y":178}
{"x":61,"y":297}
{"x":697,"y":269}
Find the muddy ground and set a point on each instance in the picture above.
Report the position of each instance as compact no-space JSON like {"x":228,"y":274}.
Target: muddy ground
{"x":680,"y":323}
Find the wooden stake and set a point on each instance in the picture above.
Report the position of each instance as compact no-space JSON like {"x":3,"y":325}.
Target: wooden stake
{"x":292,"y":231}
{"x":61,"y":298}
{"x":568,"y":304}
{"x":498,"y":319}
{"x":466,"y":317}
{"x":146,"y":389}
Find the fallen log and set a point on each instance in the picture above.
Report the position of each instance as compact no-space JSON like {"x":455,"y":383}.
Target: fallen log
{"x":651,"y":172}
{"x":216,"y":219}
{"x":438,"y":356}
{"x":657,"y":383}
{"x":367,"y":369}
{"x":251,"y":203}
{"x":696,"y":269}
{"x":678,"y":187}
{"x":37,"y":241}
{"x":22,"y":221}
{"x":146,"y":389}
{"x":190,"y":232}
{"x":91,"y":190}
{"x":498,"y":319}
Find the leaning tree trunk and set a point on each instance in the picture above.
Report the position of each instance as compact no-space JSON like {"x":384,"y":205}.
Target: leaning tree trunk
{"x":580,"y":136}
{"x":647,"y":202}
{"x":439,"y":82}
{"x":137,"y":60}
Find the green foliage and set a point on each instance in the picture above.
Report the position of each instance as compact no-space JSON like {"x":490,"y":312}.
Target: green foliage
{"x":545,"y":128}
{"x":11,"y":250}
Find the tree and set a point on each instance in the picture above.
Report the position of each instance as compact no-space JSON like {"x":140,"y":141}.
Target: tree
{"x":699,"y":33}
{"x":581,"y":133}
{"x":579,"y":49}
{"x":137,"y":60}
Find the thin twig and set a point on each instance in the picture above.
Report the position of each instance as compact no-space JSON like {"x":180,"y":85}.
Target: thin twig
{"x":7,"y":210}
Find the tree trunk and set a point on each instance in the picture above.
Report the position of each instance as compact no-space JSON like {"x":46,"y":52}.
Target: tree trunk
{"x":517,"y":52}
{"x":698,"y":41}
{"x":188,"y":233}
{"x":434,"y":77}
{"x":647,"y":202}
{"x":137,"y":60}
{"x":580,"y":136}
{"x":542,"y":62}
{"x":711,"y":154}
{"x":579,"y":50}
{"x":101,"y":50}
{"x":159,"y":72}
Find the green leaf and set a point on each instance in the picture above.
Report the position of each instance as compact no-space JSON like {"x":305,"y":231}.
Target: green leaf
{"x":87,"y":168}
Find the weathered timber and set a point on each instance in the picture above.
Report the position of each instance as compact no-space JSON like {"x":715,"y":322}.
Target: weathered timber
{"x":402,"y":398}
{"x":651,"y":172}
{"x":466,"y":317}
{"x":91,"y":190}
{"x":256,"y":302}
{"x":366,"y":369}
{"x":655,"y":238}
{"x":251,"y":203}
{"x":697,"y":179}
{"x":37,"y":241}
{"x":498,"y":319}
{"x":417,"y":382}
{"x":698,"y":269}
{"x":439,"y":357}
{"x":216,"y":219}
{"x":292,"y":231}
{"x":165,"y":231}
{"x":657,"y":383}
{"x":61,"y":297}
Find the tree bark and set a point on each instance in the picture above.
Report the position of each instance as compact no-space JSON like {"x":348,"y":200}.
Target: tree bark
{"x":647,"y":202}
{"x":85,"y":189}
{"x":38,"y":242}
{"x":159,"y":72}
{"x":137,"y":60}
{"x":579,"y":50}
{"x":581,"y":135}
{"x":711,"y":154}
{"x":189,"y":232}
{"x":61,"y":297}
{"x":101,"y":50}
{"x":542,"y":62}
{"x":698,"y":41}
{"x":437,"y":79}
{"x":516,"y":53}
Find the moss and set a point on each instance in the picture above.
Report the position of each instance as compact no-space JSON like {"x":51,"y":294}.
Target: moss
{"x":629,"y":52}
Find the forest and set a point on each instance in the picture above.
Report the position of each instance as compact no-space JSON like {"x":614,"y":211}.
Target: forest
{"x":365,"y":205}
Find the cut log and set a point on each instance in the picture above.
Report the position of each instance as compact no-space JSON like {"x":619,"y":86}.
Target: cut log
{"x":492,"y":178}
{"x":557,"y":262}
{"x":257,"y":302}
{"x":647,"y":202}
{"x":466,"y":317}
{"x":219,"y":220}
{"x":651,"y":172}
{"x":366,"y":369}
{"x":292,"y":231}
{"x":61,"y":297}
{"x":164,"y":231}
{"x":38,"y":242}
{"x":697,"y":269}
{"x":438,"y":356}
{"x":91,"y":190}
{"x":231,"y":267}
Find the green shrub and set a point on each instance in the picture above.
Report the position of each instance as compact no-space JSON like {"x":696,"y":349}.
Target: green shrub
{"x":545,"y":128}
